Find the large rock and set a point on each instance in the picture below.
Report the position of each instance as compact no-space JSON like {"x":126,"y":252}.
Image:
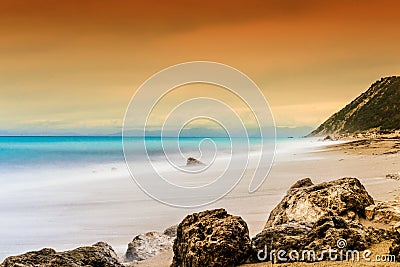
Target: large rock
{"x":281,"y":237}
{"x":317,"y":218}
{"x":211,"y":238}
{"x":307,"y":203}
{"x":327,"y":232}
{"x":147,"y":245}
{"x":330,"y":232}
{"x":97,"y":255}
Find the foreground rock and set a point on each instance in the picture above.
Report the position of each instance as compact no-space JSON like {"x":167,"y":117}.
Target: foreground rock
{"x":147,"y":245}
{"x":211,"y":238}
{"x":317,"y":218}
{"x":307,"y":203}
{"x":328,"y":233}
{"x":98,"y":255}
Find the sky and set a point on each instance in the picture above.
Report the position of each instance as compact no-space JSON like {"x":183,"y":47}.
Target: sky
{"x":73,"y":66}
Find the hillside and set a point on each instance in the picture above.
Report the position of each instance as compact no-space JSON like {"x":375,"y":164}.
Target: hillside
{"x":376,"y":109}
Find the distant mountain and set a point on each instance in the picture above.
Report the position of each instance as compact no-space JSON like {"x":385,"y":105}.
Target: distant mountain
{"x":376,"y":109}
{"x":281,"y":132}
{"x":285,"y":132}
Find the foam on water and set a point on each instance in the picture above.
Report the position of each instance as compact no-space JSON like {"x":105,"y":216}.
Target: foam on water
{"x":63,"y":192}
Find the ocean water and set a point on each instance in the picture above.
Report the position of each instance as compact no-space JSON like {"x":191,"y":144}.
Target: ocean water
{"x":64,"y":192}
{"x":25,"y":152}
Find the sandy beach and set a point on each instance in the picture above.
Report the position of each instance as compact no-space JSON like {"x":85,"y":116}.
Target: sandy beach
{"x":321,"y":163}
{"x":101,"y":202}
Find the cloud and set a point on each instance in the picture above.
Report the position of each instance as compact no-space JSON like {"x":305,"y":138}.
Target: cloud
{"x":73,"y":65}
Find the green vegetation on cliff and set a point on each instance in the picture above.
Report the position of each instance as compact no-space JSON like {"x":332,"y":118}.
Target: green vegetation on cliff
{"x":378,"y":108}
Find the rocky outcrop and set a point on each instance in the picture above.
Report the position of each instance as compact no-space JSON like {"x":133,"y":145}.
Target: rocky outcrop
{"x":317,"y":218}
{"x":147,"y":245}
{"x":376,"y":110}
{"x":211,"y":238}
{"x":194,"y":162}
{"x":307,"y":203}
{"x":98,"y":255}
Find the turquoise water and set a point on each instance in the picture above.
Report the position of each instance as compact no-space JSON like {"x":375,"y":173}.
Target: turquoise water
{"x":21,"y":152}
{"x":17,"y":152}
{"x":64,"y":192}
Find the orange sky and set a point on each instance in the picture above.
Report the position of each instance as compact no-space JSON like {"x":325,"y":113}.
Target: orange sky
{"x":72,"y":66}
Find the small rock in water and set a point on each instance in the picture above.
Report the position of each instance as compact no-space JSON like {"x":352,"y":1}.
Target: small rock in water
{"x":194,"y":162}
{"x":328,"y":138}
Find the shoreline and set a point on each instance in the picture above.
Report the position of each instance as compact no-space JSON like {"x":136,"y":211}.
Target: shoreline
{"x":332,"y":164}
{"x":70,"y":206}
{"x":321,"y":161}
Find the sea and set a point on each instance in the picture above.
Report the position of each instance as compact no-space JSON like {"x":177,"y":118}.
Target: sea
{"x":69,"y":191}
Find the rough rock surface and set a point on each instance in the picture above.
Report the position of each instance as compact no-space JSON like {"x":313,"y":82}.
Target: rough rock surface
{"x":305,"y":182}
{"x":306,"y":203}
{"x":171,"y":231}
{"x":330,"y":232}
{"x":281,"y":237}
{"x":211,"y":238}
{"x":395,"y":247}
{"x":317,"y":217}
{"x":147,"y":245}
{"x":387,"y":212}
{"x":98,"y":255}
{"x":194,"y":162}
